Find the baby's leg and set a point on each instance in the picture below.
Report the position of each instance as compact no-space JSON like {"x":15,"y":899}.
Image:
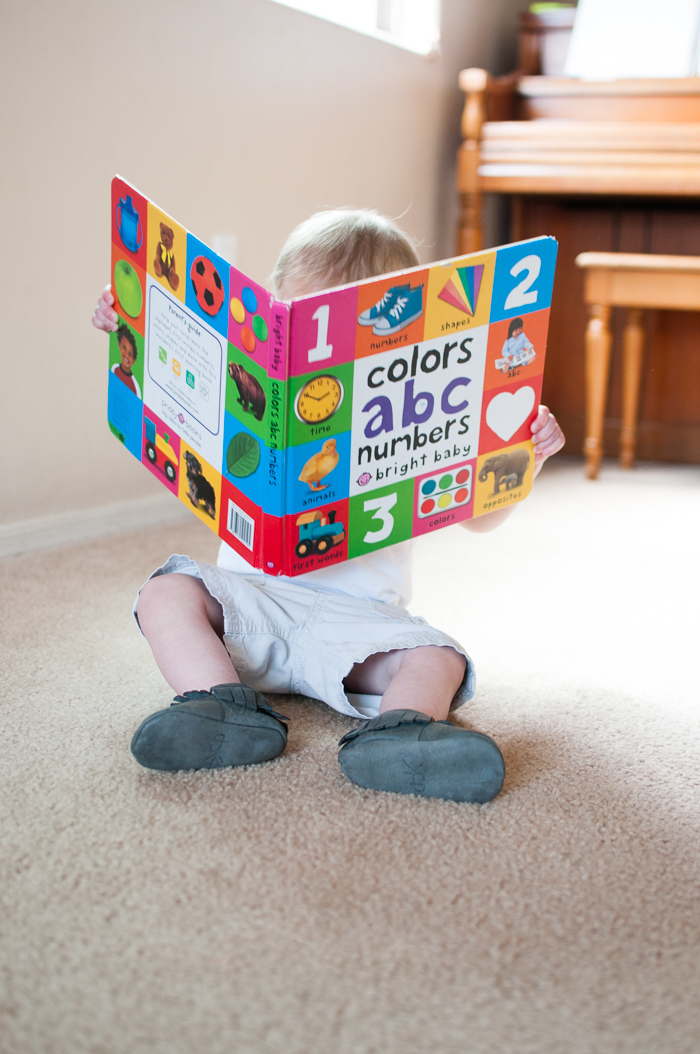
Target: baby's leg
{"x":215,"y":722}
{"x":425,"y":679}
{"x":184,"y":626}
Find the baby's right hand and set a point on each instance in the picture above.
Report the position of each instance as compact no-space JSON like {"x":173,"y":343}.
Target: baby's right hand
{"x":105,"y":316}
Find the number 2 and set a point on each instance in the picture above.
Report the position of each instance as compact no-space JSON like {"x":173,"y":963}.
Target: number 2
{"x":520,"y":296}
{"x":381,"y":513}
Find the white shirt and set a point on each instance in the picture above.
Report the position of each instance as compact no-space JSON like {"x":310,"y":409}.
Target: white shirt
{"x":383,"y":575}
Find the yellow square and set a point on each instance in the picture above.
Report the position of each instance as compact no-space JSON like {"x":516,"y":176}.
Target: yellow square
{"x":459,"y":295}
{"x":199,"y":487}
{"x":503,"y":477}
{"x":167,"y":252}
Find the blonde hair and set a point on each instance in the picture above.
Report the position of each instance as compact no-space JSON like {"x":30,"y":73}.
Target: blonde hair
{"x":339,"y":246}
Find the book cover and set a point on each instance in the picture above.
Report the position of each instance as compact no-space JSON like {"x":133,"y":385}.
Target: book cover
{"x":314,"y":430}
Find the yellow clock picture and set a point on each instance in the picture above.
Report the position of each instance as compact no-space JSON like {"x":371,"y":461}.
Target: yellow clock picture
{"x":318,"y":399}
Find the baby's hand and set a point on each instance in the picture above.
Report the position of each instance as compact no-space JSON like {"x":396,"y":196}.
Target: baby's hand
{"x":546,"y":435}
{"x":105,"y":316}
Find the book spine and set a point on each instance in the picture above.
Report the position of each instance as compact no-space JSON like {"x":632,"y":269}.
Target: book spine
{"x":273,"y":548}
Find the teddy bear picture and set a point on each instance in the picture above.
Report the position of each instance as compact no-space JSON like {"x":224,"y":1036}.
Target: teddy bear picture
{"x":164,"y":263}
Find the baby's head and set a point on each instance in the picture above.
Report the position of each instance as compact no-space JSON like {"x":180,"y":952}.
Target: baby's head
{"x":340,"y":246}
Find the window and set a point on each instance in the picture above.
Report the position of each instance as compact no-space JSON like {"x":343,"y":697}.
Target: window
{"x":412,"y":24}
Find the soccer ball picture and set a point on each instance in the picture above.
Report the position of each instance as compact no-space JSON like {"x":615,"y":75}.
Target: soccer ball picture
{"x":207,"y":285}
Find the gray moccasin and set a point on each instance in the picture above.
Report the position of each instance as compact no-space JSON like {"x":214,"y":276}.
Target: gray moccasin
{"x":410,"y":753}
{"x":229,"y":725}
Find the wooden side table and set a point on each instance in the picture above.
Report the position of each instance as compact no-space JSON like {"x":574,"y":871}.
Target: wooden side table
{"x":634,"y":281}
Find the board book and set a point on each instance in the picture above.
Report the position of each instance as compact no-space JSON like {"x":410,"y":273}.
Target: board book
{"x":317,"y":429}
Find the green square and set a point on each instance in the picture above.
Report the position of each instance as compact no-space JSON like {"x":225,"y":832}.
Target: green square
{"x":380,"y":518}
{"x":300,"y":431}
{"x":189,"y":377}
{"x":162,"y":354}
{"x":252,"y":397}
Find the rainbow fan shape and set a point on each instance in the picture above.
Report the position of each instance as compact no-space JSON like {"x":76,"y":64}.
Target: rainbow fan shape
{"x":462,"y":288}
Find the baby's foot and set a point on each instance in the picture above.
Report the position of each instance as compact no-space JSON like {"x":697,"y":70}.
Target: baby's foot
{"x":229,"y":725}
{"x":410,"y":753}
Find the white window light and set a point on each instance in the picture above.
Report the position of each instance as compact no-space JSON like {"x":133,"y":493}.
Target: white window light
{"x":411,"y":24}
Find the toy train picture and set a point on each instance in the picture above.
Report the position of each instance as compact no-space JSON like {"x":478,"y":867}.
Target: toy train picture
{"x":318,"y":532}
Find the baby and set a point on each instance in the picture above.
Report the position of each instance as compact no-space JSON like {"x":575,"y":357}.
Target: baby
{"x":340,"y":634}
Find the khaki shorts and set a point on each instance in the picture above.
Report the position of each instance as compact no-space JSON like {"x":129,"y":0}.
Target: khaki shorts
{"x":291,"y":639}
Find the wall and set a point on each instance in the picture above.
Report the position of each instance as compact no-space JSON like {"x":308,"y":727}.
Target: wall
{"x":238,"y":117}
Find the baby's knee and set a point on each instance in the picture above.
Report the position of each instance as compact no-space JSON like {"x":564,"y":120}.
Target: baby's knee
{"x":177,"y":596}
{"x":154,"y":598}
{"x":442,"y":661}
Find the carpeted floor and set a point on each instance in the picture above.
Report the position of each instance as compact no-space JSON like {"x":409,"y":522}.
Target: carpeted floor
{"x":282,"y":910}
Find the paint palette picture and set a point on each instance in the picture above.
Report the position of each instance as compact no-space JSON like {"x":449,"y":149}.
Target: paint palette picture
{"x":444,"y":490}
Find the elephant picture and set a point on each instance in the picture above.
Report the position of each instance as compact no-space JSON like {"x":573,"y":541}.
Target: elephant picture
{"x":508,"y":468}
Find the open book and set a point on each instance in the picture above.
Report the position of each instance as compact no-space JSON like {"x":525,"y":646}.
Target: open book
{"x":317,"y":429}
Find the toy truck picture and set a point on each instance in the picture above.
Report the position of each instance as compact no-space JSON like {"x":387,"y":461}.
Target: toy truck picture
{"x":159,"y":451}
{"x":318,"y":532}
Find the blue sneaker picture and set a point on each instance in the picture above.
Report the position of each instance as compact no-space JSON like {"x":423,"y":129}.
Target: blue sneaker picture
{"x":407,"y":307}
{"x":370,"y":316}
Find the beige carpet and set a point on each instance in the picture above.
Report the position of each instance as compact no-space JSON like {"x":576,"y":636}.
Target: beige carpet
{"x":280,"y":909}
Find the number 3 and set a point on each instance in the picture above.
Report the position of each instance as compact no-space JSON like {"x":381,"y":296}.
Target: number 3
{"x":382,"y":513}
{"x":520,"y":296}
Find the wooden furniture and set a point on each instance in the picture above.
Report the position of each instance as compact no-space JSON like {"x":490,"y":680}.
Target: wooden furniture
{"x":543,"y":40}
{"x":560,"y":136}
{"x":600,"y":166}
{"x":634,"y":281}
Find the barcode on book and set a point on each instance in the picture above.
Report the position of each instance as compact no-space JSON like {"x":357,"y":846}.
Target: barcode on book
{"x":240,"y":525}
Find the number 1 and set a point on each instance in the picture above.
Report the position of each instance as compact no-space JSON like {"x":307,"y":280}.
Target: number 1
{"x":323,"y":349}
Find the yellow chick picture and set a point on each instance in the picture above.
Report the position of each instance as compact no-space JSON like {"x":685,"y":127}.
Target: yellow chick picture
{"x":320,"y":465}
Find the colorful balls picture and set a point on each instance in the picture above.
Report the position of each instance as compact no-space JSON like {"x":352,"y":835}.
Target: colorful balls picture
{"x":207,"y":285}
{"x":250,"y":301}
{"x":248,"y":340}
{"x":260,"y":327}
{"x":237,"y":310}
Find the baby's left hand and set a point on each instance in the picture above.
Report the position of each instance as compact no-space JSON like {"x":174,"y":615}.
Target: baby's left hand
{"x":547,"y":436}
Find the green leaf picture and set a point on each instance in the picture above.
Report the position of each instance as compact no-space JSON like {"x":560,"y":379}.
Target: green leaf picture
{"x":243,"y":455}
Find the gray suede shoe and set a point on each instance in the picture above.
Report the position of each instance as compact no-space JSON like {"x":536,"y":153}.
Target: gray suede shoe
{"x":229,"y":725}
{"x":410,"y":753}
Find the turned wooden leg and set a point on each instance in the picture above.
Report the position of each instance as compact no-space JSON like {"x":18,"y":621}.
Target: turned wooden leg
{"x":631,"y":377}
{"x":470,"y":233}
{"x":598,"y":342}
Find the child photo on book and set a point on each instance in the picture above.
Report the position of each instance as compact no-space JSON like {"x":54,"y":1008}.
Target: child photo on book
{"x":223,"y":636}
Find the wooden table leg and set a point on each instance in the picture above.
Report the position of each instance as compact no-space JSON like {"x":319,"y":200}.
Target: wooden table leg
{"x":631,"y":377}
{"x":598,"y":341}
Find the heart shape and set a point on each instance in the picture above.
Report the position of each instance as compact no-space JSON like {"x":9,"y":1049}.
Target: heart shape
{"x":509,"y":410}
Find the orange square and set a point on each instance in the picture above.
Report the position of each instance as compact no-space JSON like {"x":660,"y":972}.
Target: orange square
{"x":401,"y":286}
{"x":505,"y":360}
